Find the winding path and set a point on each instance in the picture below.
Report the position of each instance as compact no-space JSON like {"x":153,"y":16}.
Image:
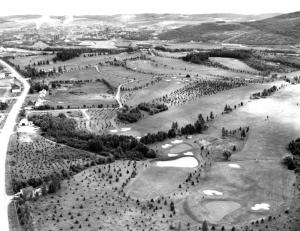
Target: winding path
{"x":5,"y":134}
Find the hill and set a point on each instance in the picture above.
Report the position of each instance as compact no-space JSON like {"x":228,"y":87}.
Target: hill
{"x":281,"y":29}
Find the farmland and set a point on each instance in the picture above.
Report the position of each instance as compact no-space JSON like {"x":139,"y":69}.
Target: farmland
{"x":148,"y":141}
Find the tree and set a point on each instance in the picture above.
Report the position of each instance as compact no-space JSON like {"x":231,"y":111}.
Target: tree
{"x":288,"y":160}
{"x":204,"y":226}
{"x":226,"y":155}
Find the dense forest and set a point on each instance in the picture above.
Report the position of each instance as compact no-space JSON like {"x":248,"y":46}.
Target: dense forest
{"x":63,"y":130}
{"x":260,"y":61}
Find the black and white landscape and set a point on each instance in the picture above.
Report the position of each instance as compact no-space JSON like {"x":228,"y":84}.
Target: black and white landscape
{"x":149,"y":119}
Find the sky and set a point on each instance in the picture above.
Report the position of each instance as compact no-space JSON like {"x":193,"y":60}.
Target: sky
{"x":108,"y":7}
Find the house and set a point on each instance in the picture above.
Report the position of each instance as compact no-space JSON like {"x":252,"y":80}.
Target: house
{"x":24,"y":122}
{"x":15,"y":88}
{"x":2,"y":75}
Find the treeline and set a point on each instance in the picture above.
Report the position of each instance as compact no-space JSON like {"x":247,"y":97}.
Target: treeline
{"x":293,"y":161}
{"x":198,"y":127}
{"x":264,"y":93}
{"x":63,"y":130}
{"x":201,"y":57}
{"x":37,"y":87}
{"x":127,"y":115}
{"x":65,"y":55}
{"x":152,"y":108}
{"x":3,"y":106}
{"x":132,"y":115}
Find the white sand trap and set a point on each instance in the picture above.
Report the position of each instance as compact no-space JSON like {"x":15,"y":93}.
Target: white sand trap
{"x":166,"y":145}
{"x":138,"y":137}
{"x":234,"y":166}
{"x":204,"y":143}
{"x":188,"y":154}
{"x":178,"y":82}
{"x":176,"y":141}
{"x":262,"y":206}
{"x":125,"y":129}
{"x":171,"y":154}
{"x":168,"y":80}
{"x":183,"y":162}
{"x":27,"y":129}
{"x":174,"y":77}
{"x":189,"y":137}
{"x":60,"y":102}
{"x":114,"y":130}
{"x":212,"y":192}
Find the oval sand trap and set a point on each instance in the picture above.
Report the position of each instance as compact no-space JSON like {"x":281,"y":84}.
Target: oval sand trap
{"x":176,"y":141}
{"x":183,"y":162}
{"x":166,"y":145}
{"x":114,"y":130}
{"x":212,"y":192}
{"x":188,"y":154}
{"x":125,"y":129}
{"x":234,"y":166}
{"x":262,"y":206}
{"x":172,"y":155}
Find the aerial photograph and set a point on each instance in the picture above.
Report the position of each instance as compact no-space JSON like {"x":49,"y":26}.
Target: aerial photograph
{"x":149,"y":115}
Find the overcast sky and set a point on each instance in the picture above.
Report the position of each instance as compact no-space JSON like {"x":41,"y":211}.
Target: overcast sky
{"x":77,"y":7}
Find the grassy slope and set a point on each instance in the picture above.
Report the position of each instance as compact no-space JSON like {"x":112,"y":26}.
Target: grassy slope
{"x":281,"y":29}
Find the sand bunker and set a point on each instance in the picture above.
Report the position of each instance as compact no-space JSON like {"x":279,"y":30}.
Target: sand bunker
{"x":171,"y":154}
{"x":138,"y":137}
{"x":188,"y":154}
{"x":234,"y":166}
{"x":219,"y":209}
{"x":168,"y":80}
{"x":27,"y":129}
{"x":176,"y":141}
{"x":212,"y":192}
{"x":183,"y":162}
{"x":190,"y":137}
{"x":125,"y":129}
{"x":262,"y":206}
{"x":114,"y":130}
{"x":166,"y":145}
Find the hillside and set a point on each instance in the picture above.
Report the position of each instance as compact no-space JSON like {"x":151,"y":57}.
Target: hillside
{"x":282,"y":29}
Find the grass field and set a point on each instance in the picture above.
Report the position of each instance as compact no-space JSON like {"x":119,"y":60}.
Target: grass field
{"x":188,"y":113}
{"x":78,"y":95}
{"x":169,"y":67}
{"x":233,"y":64}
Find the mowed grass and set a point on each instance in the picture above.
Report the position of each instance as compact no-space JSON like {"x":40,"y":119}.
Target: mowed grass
{"x":157,"y":181}
{"x":157,"y":90}
{"x":188,"y":113}
{"x":113,"y":74}
{"x":169,"y":66}
{"x":88,"y":94}
{"x":81,"y":62}
{"x":23,"y":61}
{"x":261,"y":177}
{"x":233,"y":63}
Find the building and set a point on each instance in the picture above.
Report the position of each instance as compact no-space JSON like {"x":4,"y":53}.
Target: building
{"x":2,"y":75}
{"x":24,"y":122}
{"x":15,"y":88}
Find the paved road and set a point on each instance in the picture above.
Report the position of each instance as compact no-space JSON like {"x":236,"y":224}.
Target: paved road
{"x":5,"y":134}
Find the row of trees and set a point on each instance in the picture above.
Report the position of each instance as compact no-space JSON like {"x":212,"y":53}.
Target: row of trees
{"x":189,"y":129}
